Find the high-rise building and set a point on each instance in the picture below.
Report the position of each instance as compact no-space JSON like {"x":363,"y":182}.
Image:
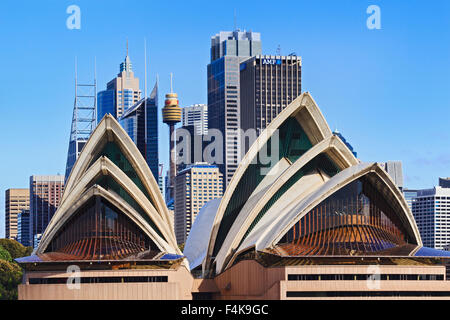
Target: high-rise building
{"x":394,"y":168}
{"x":268,"y":84}
{"x":337,"y":133}
{"x":16,"y":200}
{"x":190,"y":146}
{"x":431,"y":210}
{"x":196,"y":115}
{"x":121,"y":92}
{"x":161,"y":178}
{"x":23,"y":228}
{"x":141,"y":123}
{"x":194,"y":186}
{"x":83,"y":120}
{"x":45,"y":195}
{"x":171,"y":114}
{"x":444,"y":182}
{"x":410,"y":195}
{"x":228,"y":50}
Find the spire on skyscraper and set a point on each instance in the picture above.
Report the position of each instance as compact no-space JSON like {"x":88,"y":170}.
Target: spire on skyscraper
{"x":126,"y":65}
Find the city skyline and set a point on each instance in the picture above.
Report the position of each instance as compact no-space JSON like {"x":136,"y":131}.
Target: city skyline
{"x":401,"y":67}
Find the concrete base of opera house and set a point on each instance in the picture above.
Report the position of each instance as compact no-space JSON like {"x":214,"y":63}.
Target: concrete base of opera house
{"x":248,"y":279}
{"x":140,"y":284}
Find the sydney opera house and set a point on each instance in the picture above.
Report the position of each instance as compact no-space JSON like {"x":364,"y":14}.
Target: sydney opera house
{"x":315,"y":224}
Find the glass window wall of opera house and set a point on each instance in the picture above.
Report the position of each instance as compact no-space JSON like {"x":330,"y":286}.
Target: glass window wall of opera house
{"x":317,"y":223}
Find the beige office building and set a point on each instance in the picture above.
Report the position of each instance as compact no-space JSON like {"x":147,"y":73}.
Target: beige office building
{"x":16,"y":200}
{"x":121,"y":93}
{"x":194,"y":187}
{"x":271,"y":83}
{"x":126,"y":87}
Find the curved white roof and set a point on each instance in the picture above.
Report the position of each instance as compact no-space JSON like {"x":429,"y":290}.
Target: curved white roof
{"x":308,"y":115}
{"x":82,"y":184}
{"x":332,"y":146}
{"x":196,"y":244}
{"x":265,"y":211}
{"x":276,"y":223}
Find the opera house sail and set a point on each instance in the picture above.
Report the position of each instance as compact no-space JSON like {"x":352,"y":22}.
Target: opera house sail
{"x":112,"y":217}
{"x":316,"y":205}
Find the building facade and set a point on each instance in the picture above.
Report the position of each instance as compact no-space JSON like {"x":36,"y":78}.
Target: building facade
{"x":194,"y":187}
{"x":196,"y":115}
{"x":410,"y":195}
{"x":431,"y":210}
{"x":190,"y":146}
{"x":16,"y":200}
{"x":268,"y":85}
{"x":337,"y":133}
{"x":141,"y":123}
{"x":444,"y":182}
{"x":23,"y":228}
{"x":228,"y":50}
{"x":45,"y":196}
{"x":394,"y":168}
{"x":121,"y":92}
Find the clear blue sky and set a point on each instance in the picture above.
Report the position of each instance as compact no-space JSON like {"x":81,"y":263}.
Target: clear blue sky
{"x":387,"y":91}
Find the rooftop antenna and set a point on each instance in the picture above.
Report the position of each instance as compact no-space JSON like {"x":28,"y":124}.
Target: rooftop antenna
{"x":171,"y":79}
{"x":75,"y":75}
{"x":145,"y":92}
{"x":279,"y":50}
{"x":95,"y":90}
{"x":145,"y":67}
{"x":127,"y":46}
{"x":235,"y":26}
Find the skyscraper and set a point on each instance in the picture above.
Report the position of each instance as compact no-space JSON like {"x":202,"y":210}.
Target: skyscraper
{"x":228,"y":50}
{"x":337,"y":133}
{"x":83,"y":120}
{"x":45,"y":195}
{"x":171,"y":115}
{"x":141,"y":123}
{"x":394,"y":168}
{"x":190,"y":146}
{"x":196,"y":115}
{"x":410,"y":195}
{"x":268,"y":84}
{"x":431,"y":210}
{"x":444,"y":182}
{"x":194,"y":186}
{"x":23,"y":228}
{"x":121,"y":92}
{"x":16,"y":200}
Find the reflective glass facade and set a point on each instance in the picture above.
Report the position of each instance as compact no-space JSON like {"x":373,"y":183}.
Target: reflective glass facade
{"x":141,"y":124}
{"x":106,"y":104}
{"x":228,"y":50}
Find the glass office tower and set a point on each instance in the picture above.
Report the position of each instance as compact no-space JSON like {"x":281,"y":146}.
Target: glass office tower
{"x":106,"y":102}
{"x":228,"y":50}
{"x":141,"y":123}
